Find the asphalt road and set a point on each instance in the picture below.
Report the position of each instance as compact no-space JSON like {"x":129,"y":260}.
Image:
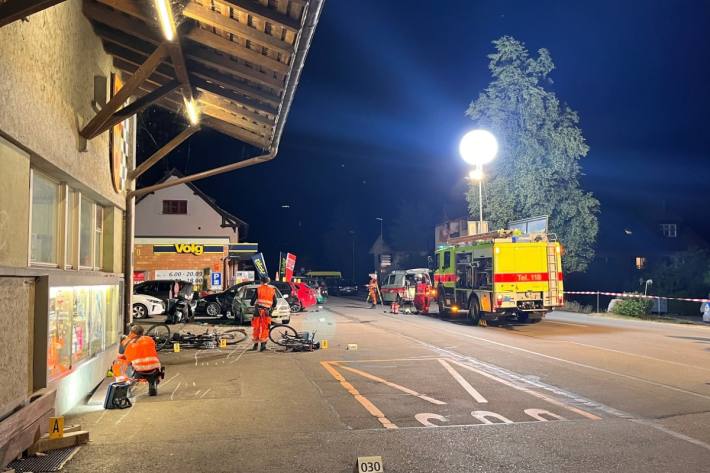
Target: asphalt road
{"x":573,"y":393}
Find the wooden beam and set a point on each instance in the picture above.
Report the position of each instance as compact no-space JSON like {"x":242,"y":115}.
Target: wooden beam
{"x":246,"y":101}
{"x":212,"y":18}
{"x":229,"y":82}
{"x":236,"y":132}
{"x":13,"y":10}
{"x":140,"y":104}
{"x":163,"y":151}
{"x":141,"y":74}
{"x":122,"y":26}
{"x":267,"y":14}
{"x":215,"y":41}
{"x":239,"y":102}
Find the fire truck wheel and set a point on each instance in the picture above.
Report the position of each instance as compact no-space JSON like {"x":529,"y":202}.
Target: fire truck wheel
{"x":474,"y":311}
{"x":440,"y":302}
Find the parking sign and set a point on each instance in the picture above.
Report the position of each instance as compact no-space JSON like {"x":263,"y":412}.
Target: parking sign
{"x":216,"y":279}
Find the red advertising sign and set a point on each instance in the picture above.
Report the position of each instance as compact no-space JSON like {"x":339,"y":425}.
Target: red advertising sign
{"x":138,"y":276}
{"x":290,"y":265}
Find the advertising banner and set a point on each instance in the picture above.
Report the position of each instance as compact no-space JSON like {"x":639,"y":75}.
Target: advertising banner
{"x":280,"y":276}
{"x":260,"y":265}
{"x":241,"y":276}
{"x":289,"y":266}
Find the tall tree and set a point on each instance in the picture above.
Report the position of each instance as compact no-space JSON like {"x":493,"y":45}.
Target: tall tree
{"x":537,"y":170}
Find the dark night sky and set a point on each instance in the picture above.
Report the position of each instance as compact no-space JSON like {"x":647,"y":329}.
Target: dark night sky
{"x":380,"y":108}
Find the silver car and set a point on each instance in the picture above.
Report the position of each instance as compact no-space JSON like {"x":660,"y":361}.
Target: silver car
{"x":243,"y":310}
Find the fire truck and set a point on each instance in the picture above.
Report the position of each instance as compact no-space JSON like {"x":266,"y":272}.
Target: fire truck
{"x":499,"y":275}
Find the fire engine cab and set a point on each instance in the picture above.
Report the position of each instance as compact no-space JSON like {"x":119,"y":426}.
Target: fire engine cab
{"x":499,"y":275}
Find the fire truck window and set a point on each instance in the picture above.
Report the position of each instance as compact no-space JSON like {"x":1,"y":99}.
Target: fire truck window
{"x":447,"y":259}
{"x":437,"y":257}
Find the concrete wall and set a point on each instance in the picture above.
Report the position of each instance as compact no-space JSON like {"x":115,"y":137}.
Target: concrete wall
{"x":17,"y":322}
{"x":14,"y":205}
{"x":201,"y":219}
{"x":47,"y":69}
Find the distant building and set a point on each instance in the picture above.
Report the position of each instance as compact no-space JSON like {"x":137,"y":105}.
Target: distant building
{"x":181,"y":233}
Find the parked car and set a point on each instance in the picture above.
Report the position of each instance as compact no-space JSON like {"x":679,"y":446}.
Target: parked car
{"x":300,"y":296}
{"x":218,"y":303}
{"x":243,"y":310}
{"x":346,"y":287}
{"x":145,"y":306}
{"x":164,"y":289}
{"x":307,"y":294}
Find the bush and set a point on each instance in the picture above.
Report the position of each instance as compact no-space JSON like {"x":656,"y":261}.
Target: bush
{"x":574,"y":306}
{"x":634,"y":307}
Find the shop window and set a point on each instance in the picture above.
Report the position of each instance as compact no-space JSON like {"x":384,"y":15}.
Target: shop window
{"x":83,"y":321}
{"x":61,"y":308}
{"x":44,"y":230}
{"x":80,"y":323}
{"x":175,"y":207}
{"x":640,"y":262}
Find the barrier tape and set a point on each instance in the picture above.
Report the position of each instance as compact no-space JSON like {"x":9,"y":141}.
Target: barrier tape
{"x":637,"y":296}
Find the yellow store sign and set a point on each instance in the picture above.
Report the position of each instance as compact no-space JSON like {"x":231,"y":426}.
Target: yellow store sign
{"x":190,"y":248}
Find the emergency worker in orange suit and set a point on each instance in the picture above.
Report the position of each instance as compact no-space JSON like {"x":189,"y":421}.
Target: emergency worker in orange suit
{"x":264,"y":301}
{"x":422,"y":295}
{"x":138,"y":358}
{"x":372,"y":288}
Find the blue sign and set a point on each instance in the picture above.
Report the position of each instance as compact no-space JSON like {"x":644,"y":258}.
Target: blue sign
{"x":216,"y":279}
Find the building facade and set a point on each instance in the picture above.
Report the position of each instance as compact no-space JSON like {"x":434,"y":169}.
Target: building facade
{"x":182,"y":234}
{"x":62,"y":204}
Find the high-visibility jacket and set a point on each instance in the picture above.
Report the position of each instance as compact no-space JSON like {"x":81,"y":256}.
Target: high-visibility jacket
{"x":265,"y":296}
{"x":142,"y":354}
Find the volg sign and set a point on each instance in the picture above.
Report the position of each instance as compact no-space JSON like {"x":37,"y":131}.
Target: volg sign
{"x":190,"y":248}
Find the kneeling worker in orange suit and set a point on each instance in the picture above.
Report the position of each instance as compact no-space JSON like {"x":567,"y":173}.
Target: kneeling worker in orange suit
{"x":264,"y":300}
{"x":138,"y":357}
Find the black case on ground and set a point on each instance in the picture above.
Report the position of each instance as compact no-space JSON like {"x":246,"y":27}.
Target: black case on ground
{"x":117,"y":396}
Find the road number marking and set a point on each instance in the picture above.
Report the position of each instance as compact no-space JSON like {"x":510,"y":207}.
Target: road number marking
{"x":537,"y":414}
{"x":424,"y":419}
{"x":369,"y":464}
{"x":485,"y":416}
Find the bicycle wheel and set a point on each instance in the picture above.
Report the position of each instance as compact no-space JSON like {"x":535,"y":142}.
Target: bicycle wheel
{"x":234,"y":336}
{"x":161,"y":334}
{"x":279,"y":334}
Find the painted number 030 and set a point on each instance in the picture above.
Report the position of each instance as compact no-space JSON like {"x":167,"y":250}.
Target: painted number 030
{"x":370,"y":466}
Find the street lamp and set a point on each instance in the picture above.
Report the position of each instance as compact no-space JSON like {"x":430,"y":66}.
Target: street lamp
{"x":381,"y":220}
{"x":478,"y":147}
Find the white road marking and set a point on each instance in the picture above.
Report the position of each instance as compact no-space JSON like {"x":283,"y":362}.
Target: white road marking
{"x":175,"y":390}
{"x":424,"y":419}
{"x":537,"y":414}
{"x":464,"y":384}
{"x":530,"y":391}
{"x":205,"y":393}
{"x":584,"y":365}
{"x":638,"y":355}
{"x":485,"y":416}
{"x":392,"y":385}
{"x":102,"y":416}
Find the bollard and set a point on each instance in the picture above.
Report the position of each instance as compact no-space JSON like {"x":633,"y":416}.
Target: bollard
{"x":176,"y":347}
{"x":324,"y":344}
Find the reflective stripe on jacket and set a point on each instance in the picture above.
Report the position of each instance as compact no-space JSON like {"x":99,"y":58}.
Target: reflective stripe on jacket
{"x":143,"y":355}
{"x":265,"y":296}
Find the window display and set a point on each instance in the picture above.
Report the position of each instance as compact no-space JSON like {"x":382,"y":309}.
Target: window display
{"x":80,"y":323}
{"x":61,"y":307}
{"x":83,"y":321}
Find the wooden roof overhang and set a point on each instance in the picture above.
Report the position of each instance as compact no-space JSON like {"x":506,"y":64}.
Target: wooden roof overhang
{"x":238,"y":59}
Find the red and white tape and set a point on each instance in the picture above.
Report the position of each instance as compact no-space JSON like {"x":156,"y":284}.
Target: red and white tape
{"x":637,"y":296}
